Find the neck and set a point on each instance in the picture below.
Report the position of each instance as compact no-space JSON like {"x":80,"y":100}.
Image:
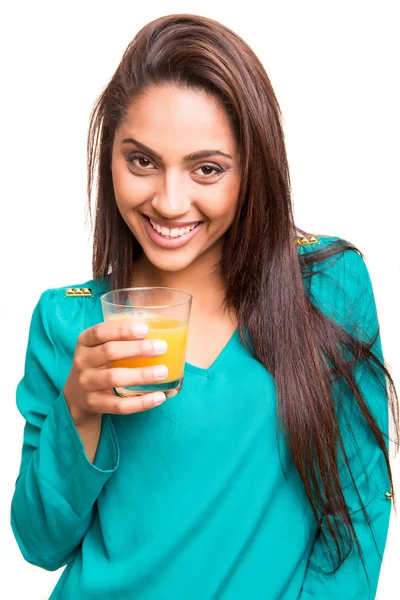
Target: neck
{"x":202,"y":279}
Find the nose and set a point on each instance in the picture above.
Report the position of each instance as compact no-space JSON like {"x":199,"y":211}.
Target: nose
{"x":172,"y":199}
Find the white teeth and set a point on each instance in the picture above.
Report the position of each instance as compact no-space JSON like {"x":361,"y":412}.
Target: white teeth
{"x":173,"y":233}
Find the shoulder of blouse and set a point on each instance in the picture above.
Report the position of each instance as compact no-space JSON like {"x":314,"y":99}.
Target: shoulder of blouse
{"x":341,"y":285}
{"x":68,"y":310}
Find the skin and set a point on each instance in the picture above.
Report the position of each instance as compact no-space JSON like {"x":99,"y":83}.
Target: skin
{"x":172,"y":123}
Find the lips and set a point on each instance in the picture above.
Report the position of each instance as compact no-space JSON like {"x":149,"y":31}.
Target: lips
{"x":170,"y":242}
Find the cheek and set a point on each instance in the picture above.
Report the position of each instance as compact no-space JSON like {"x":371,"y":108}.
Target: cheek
{"x":223,"y":204}
{"x":129,"y":191}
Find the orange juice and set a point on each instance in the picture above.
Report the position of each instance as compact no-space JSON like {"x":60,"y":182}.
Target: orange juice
{"x":173,"y":331}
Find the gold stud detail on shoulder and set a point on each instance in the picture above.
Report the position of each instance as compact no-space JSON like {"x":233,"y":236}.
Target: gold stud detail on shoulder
{"x":74,"y":292}
{"x":304,"y":241}
{"x":388,"y":495}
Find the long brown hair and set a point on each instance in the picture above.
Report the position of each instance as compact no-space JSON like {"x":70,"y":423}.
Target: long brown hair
{"x":301,"y":347}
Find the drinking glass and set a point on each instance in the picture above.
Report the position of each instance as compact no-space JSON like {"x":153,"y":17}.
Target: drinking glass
{"x":166,"y":311}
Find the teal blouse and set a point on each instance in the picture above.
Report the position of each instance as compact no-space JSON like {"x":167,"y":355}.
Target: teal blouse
{"x":189,"y":500}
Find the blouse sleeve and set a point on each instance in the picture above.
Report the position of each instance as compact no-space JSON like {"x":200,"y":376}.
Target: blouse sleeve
{"x":366,"y":458}
{"x":57,"y":487}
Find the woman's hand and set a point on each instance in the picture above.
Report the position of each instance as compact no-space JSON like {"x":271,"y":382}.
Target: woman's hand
{"x":89,"y":387}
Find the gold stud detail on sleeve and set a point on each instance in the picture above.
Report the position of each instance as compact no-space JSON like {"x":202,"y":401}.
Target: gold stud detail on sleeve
{"x":74,"y":292}
{"x":304,"y":241}
{"x":388,"y":495}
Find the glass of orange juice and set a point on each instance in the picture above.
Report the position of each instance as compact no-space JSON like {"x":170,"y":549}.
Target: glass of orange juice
{"x":166,"y":311}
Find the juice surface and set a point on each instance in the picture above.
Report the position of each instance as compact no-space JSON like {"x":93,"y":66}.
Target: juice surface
{"x":173,"y":331}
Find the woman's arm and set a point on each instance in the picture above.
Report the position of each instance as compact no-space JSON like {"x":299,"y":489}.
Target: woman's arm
{"x":366,"y":458}
{"x":57,"y":487}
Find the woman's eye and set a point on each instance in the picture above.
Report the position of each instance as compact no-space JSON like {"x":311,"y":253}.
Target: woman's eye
{"x":139,"y":161}
{"x":210,"y":170}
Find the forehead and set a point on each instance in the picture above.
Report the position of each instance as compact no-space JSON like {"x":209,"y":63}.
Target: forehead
{"x":179,"y":117}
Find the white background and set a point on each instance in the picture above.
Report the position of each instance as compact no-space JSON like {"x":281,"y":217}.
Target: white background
{"x":334,"y":67}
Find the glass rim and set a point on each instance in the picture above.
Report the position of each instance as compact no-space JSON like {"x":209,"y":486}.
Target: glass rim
{"x":152,"y":287}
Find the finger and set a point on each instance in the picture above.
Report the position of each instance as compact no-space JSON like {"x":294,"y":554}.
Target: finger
{"x":93,"y":380}
{"x":113,"y":330}
{"x":107,"y":403}
{"x":103,"y":354}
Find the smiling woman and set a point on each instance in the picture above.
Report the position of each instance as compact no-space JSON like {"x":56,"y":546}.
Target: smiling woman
{"x":268,"y":474}
{"x":178,"y":190}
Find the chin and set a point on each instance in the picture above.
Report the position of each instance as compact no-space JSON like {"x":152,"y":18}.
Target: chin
{"x":170,"y":261}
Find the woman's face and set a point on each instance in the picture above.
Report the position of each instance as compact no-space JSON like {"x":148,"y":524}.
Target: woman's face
{"x":177,"y":203}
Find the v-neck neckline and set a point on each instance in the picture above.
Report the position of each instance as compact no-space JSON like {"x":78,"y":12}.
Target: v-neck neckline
{"x":104,"y":287}
{"x":208,"y":371}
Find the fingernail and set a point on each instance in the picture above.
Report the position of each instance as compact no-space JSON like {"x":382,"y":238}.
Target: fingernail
{"x":159,"y":346}
{"x":140,"y":329}
{"x":159,"y":397}
{"x":160,"y":371}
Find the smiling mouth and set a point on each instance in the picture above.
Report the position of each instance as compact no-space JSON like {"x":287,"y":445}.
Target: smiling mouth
{"x":171,"y":237}
{"x":171,"y":232}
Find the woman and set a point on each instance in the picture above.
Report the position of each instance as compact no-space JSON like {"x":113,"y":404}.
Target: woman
{"x":268,"y":475}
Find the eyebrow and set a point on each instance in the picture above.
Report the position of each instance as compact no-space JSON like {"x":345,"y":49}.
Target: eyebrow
{"x":187,"y":158}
